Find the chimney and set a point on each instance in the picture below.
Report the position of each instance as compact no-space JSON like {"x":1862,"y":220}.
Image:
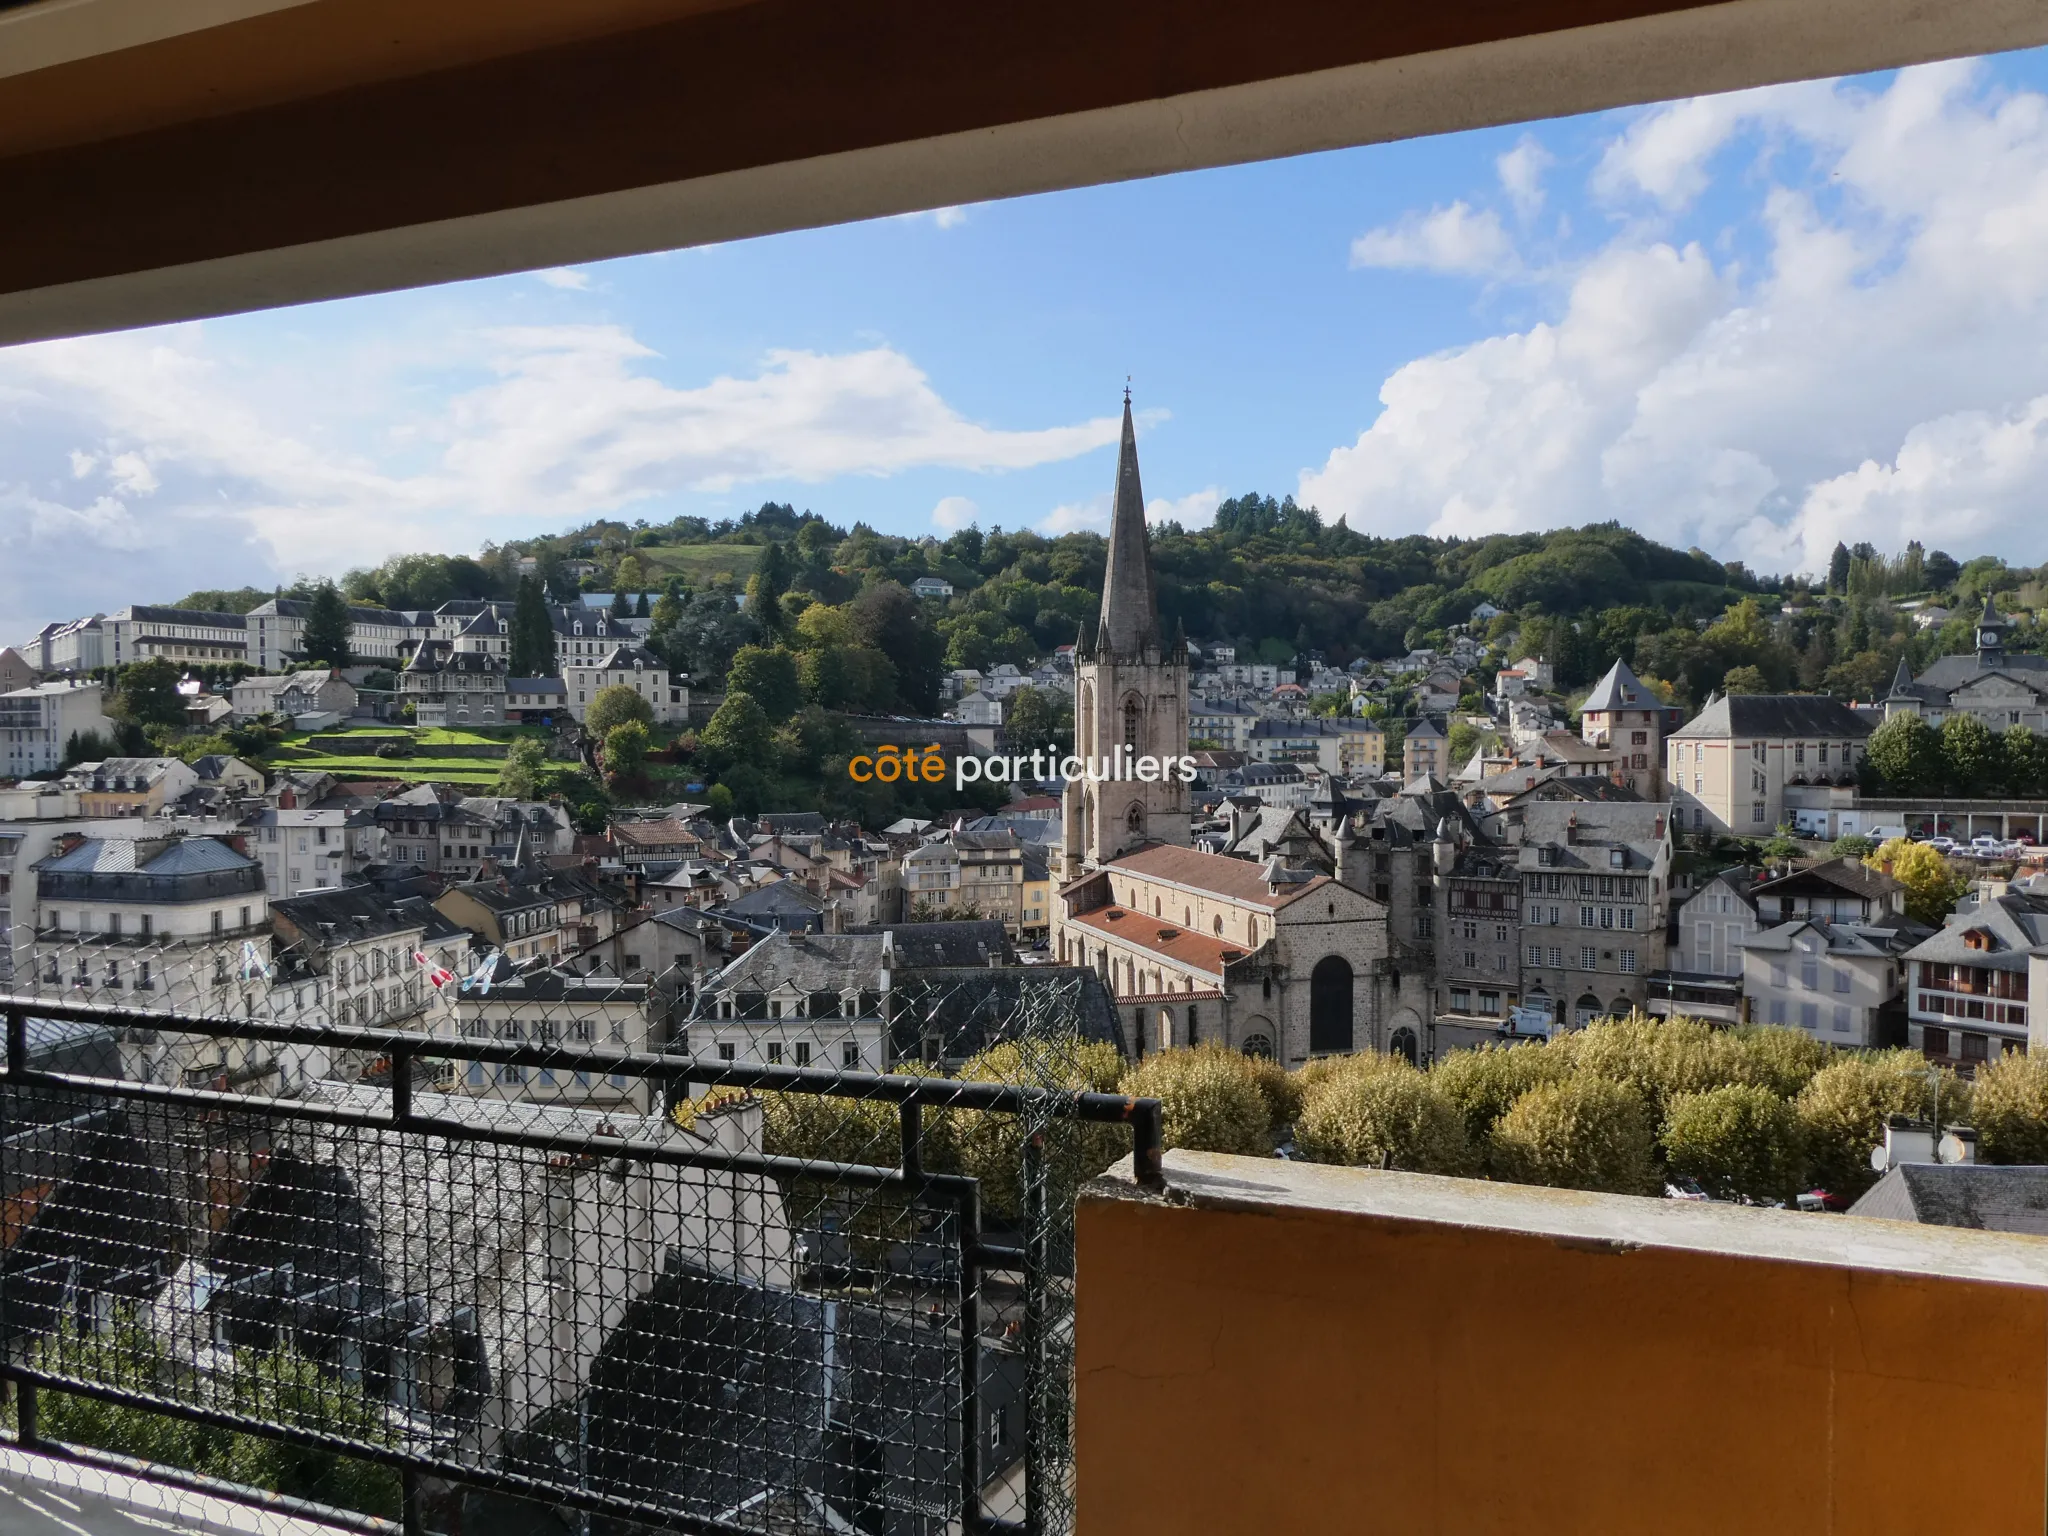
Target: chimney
{"x":1571,"y":828}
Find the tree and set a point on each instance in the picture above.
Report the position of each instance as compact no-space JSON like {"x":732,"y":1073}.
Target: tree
{"x":1466,"y":739}
{"x":1585,"y":1132}
{"x":2009,"y":1107}
{"x":766,"y":586}
{"x":1782,"y":1060}
{"x":1040,"y":720}
{"x":533,"y":634}
{"x":1838,"y":569}
{"x":1970,"y":759}
{"x":769,"y":675}
{"x":1781,"y":847}
{"x":519,"y":779}
{"x":1932,"y":887}
{"x":888,"y":619}
{"x":1906,"y":754}
{"x":1852,"y":845}
{"x":668,"y":608}
{"x":1481,"y":1084}
{"x":325,"y":638}
{"x":738,"y":733}
{"x":1744,"y":680}
{"x":1736,"y":1140}
{"x":2024,"y":757}
{"x":625,"y":755}
{"x":622,"y":606}
{"x":640,"y":608}
{"x":614,"y":706}
{"x":1382,"y":1112}
{"x":991,"y":1147}
{"x":1209,"y":1097}
{"x":1842,"y":1112}
{"x":630,"y":576}
{"x":147,"y":694}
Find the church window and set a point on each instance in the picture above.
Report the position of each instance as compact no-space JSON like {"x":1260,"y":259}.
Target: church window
{"x":1134,"y":820}
{"x":1131,"y":727}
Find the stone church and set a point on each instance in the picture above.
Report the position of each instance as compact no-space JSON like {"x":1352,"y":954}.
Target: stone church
{"x":1277,"y":957}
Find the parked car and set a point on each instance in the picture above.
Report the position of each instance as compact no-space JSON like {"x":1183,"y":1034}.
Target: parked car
{"x":1982,"y":847}
{"x":1941,"y":844}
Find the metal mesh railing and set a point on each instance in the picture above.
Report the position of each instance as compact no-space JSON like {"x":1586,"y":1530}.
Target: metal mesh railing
{"x":450,"y":1276}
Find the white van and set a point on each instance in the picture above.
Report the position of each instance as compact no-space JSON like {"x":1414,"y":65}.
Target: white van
{"x":1883,"y":835}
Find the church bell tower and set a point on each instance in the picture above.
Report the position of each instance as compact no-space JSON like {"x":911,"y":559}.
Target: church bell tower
{"x":1130,"y":699}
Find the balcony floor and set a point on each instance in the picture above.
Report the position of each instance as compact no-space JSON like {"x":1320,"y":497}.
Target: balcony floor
{"x":40,"y":1496}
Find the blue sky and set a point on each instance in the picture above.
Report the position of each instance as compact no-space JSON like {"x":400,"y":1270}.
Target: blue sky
{"x":1757,"y":323}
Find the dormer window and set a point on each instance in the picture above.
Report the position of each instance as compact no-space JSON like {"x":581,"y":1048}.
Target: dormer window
{"x":1616,"y":859}
{"x":579,"y":626}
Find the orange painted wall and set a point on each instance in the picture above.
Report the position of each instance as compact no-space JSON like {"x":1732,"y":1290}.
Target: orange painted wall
{"x":1321,"y":1372}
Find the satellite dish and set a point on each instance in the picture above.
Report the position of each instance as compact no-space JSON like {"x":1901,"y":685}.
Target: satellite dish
{"x":1880,"y":1158}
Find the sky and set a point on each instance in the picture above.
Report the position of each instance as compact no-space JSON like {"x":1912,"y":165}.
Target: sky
{"x":1756,"y":323}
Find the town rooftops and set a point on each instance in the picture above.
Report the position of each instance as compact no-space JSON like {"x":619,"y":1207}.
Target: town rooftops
{"x":150,"y":613}
{"x":1426,"y":729}
{"x":1844,"y":874}
{"x":1744,"y":715}
{"x":1996,"y":932}
{"x":351,"y":912}
{"x":808,"y":962}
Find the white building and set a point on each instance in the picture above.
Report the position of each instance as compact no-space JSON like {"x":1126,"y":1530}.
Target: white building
{"x":36,"y":723}
{"x":629,"y":666}
{"x":800,"y":1000}
{"x":276,"y":632}
{"x":185,"y":636}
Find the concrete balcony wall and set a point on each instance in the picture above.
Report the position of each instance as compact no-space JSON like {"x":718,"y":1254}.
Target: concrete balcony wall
{"x":1280,"y":1347}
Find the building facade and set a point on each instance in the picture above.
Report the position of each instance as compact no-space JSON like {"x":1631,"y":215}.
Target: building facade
{"x":38,"y":722}
{"x":1730,"y":766}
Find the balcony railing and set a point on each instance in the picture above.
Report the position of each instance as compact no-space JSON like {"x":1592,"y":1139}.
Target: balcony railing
{"x":661,"y":1320}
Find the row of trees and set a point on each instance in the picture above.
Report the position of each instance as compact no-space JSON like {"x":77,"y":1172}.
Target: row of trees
{"x":1964,"y":756}
{"x":1752,"y":1113}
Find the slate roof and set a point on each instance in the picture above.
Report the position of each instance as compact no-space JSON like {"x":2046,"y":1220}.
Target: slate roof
{"x":1774,"y":714}
{"x":2017,"y":921}
{"x":1978,"y":1195}
{"x":811,"y":962}
{"x":1844,"y":874}
{"x":1581,"y":835}
{"x":1620,"y":689}
{"x":122,"y":856}
{"x":924,"y":946}
{"x":1233,"y":879}
{"x":970,"y":1008}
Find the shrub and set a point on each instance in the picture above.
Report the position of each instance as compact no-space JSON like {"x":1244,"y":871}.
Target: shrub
{"x":2010,"y":1110}
{"x":1736,"y":1140}
{"x":1586,"y":1132}
{"x":1391,"y":1115}
{"x":1482,"y":1083}
{"x":1843,"y":1109}
{"x":1209,"y":1099}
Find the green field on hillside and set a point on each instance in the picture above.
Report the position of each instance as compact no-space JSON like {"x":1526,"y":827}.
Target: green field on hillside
{"x":699,"y":563}
{"x":446,"y":770}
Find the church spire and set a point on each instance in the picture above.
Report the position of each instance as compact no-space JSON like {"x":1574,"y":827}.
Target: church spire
{"x":1130,"y":612}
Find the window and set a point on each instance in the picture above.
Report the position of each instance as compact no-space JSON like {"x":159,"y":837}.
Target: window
{"x":1607,"y":917}
{"x":1935,"y":1042}
{"x":1461,"y":1000}
{"x":725,"y":1050}
{"x":144,"y":982}
{"x":1588,"y":957}
{"x":1809,"y":1015}
{"x":1841,"y":1020}
{"x":1777,"y":1010}
{"x":1809,"y":975}
{"x":143,"y":924}
{"x":1628,"y":962}
{"x":803,"y":1053}
{"x":219,"y":919}
{"x":775,"y":1053}
{"x":1842,"y":978}
{"x":849,"y":1055}
{"x":1585,"y":917}
{"x":1974,"y":1047}
{"x":1556,"y":958}
{"x":1756,"y":813}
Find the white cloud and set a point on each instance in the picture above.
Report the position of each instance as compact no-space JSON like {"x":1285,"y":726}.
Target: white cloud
{"x":255,"y":474}
{"x":1195,"y":510}
{"x":1455,"y":239}
{"x":954,"y":512}
{"x":949,"y":218}
{"x":564,"y":277}
{"x":1880,"y":375}
{"x":1192,"y":511}
{"x":1090,"y":516}
{"x":1521,"y":172}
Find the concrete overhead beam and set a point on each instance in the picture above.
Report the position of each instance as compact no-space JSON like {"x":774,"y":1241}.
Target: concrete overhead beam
{"x":280,"y":151}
